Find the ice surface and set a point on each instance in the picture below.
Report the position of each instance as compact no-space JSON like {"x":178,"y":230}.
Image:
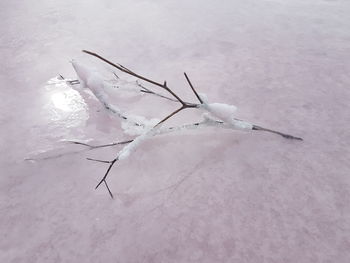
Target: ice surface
{"x":212,"y":195}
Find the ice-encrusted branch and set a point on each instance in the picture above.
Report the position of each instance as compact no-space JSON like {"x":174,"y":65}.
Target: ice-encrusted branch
{"x":215,"y":114}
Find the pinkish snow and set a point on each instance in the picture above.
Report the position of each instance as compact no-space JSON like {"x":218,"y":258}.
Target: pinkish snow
{"x":209,"y":196}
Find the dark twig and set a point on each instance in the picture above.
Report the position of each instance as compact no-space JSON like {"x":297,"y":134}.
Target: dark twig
{"x":97,"y":160}
{"x":100,"y":146}
{"x":73,"y":82}
{"x":70,"y":82}
{"x":147,"y":90}
{"x":163,"y":86}
{"x":128,"y":71}
{"x":170,"y":115}
{"x":109,"y":190}
{"x":284,"y":135}
{"x":103,"y":180}
{"x":194,"y":91}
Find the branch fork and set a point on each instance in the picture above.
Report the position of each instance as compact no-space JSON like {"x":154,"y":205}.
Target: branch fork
{"x":219,"y":115}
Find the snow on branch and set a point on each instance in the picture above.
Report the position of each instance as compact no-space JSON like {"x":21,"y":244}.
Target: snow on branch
{"x":214,"y":114}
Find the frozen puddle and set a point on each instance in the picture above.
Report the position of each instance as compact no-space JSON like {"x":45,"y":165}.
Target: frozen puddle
{"x":65,"y":104}
{"x":64,"y":115}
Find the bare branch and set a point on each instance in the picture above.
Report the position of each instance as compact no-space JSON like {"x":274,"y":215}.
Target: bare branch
{"x":284,"y":135}
{"x":100,"y":146}
{"x":170,"y":115}
{"x":123,"y":69}
{"x":184,"y":105}
{"x":147,"y":90}
{"x":70,"y":82}
{"x":128,"y":71}
{"x":109,"y":190}
{"x":172,"y":93}
{"x":105,"y":176}
{"x":97,"y":160}
{"x":194,"y":91}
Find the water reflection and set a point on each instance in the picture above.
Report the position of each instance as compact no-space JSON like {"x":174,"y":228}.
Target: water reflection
{"x":61,"y":101}
{"x":65,"y":105}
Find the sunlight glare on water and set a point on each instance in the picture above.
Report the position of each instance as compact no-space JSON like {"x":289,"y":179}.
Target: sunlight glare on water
{"x":64,"y":103}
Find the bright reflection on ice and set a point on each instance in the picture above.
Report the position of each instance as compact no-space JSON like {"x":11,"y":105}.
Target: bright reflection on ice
{"x":61,"y":101}
{"x":65,"y":104}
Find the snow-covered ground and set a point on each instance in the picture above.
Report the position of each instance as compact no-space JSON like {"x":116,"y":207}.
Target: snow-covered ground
{"x":209,"y":196}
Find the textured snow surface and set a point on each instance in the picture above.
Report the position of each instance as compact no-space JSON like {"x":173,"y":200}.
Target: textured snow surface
{"x":212,"y":195}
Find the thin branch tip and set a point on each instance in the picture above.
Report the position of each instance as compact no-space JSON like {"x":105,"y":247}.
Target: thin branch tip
{"x":193,"y":89}
{"x":97,"y":160}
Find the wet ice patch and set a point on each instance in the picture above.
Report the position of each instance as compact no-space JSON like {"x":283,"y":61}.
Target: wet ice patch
{"x":61,"y":101}
{"x":64,"y":104}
